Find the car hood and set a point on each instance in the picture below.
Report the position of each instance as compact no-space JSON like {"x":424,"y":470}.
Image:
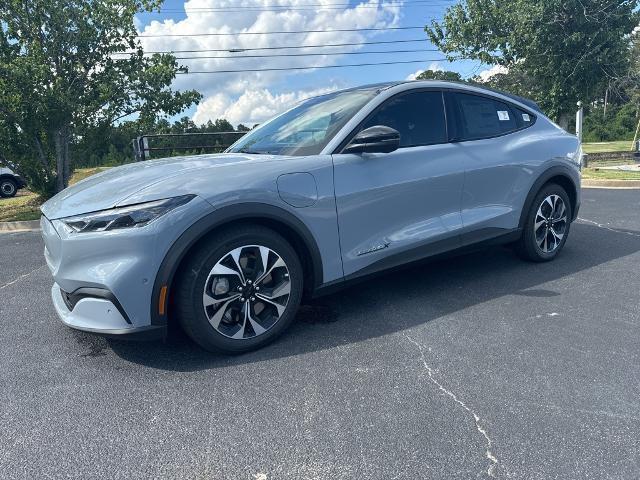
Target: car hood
{"x":112,"y":187}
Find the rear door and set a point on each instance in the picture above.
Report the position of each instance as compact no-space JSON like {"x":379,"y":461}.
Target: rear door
{"x":399,"y":206}
{"x":489,"y":135}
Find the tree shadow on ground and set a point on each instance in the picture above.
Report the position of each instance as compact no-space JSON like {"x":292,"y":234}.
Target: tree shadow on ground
{"x":401,"y":300}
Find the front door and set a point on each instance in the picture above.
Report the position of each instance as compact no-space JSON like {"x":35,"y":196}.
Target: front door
{"x":397,"y":207}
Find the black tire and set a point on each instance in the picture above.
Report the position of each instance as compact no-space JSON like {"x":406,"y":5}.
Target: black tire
{"x":191,"y":284}
{"x":527,"y":247}
{"x":8,"y":188}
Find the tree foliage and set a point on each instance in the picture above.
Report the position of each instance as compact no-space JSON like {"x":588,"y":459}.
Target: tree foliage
{"x":618,"y":124}
{"x":440,"y":75}
{"x":69,"y":68}
{"x":557,"y":51}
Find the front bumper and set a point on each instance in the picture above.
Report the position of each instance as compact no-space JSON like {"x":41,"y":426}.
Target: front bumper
{"x":110,"y":276}
{"x":100,"y":315}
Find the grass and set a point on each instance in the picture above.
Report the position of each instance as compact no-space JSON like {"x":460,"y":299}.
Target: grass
{"x":606,"y":147}
{"x":82,"y":173}
{"x":26,"y":205}
{"x":598,"y":174}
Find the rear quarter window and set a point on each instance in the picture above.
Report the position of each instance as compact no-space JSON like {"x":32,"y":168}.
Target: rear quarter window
{"x":523,"y":119}
{"x":485,"y":117}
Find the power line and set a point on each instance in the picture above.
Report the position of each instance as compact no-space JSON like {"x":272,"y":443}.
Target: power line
{"x":310,"y":54}
{"x":312,"y":68}
{"x":316,"y":9}
{"x":301,"y":7}
{"x":216,"y":34}
{"x":339,"y":4}
{"x":242,"y":49}
{"x":290,"y":9}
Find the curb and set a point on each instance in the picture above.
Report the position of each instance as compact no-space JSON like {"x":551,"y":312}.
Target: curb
{"x":622,"y":184}
{"x":26,"y":226}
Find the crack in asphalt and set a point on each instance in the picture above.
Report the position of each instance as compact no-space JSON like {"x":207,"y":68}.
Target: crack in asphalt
{"x":24,"y":275}
{"x":491,"y":471}
{"x":601,"y":225}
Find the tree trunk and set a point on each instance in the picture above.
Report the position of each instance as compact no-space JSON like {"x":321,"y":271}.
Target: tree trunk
{"x":62,"y":139}
{"x":42,"y":157}
{"x":563,"y":121}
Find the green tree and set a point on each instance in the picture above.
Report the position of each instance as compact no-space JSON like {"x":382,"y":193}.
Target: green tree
{"x":620,"y":123}
{"x":68,"y":67}
{"x":567,"y":50}
{"x":440,"y":75}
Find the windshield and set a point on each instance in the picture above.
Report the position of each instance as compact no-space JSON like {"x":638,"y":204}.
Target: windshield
{"x":307,"y":128}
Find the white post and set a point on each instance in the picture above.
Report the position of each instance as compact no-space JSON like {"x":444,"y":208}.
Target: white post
{"x":579,"y":116}
{"x":146,"y":154}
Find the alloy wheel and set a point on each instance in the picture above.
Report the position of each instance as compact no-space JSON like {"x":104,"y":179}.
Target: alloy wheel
{"x":550,"y":223}
{"x":246,"y":292}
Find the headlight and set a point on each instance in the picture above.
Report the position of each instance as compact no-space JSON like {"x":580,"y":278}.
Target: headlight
{"x":124,"y":217}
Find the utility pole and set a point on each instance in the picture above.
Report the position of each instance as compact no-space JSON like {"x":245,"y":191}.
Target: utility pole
{"x":579,"y":116}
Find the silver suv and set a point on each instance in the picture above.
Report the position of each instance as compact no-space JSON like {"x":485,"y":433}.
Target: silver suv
{"x":339,"y":187}
{"x":10,"y":183}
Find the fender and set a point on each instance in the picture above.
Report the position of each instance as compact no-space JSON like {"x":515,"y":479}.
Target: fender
{"x":555,"y":171}
{"x":218,"y":218}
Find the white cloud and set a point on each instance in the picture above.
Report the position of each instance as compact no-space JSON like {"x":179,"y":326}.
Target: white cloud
{"x":434,"y":66}
{"x":496,"y":69}
{"x":414,"y":75}
{"x":222,"y":90}
{"x":252,"y":106}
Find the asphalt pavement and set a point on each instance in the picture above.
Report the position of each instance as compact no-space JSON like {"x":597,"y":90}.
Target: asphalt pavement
{"x":477,"y":366}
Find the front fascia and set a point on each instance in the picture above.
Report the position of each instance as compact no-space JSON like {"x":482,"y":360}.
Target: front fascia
{"x":124,"y":262}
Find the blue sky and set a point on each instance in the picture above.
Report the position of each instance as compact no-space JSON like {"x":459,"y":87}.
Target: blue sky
{"x":253,"y":97}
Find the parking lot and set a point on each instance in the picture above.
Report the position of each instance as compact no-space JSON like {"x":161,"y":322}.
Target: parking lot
{"x":471,"y":367}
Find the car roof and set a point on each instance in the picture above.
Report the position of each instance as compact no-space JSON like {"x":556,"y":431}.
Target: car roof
{"x":474,"y":86}
{"x":443,"y":84}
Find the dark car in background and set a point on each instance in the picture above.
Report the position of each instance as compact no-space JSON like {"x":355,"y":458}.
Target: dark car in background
{"x":10,"y":183}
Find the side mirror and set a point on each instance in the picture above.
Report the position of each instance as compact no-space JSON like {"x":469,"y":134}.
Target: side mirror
{"x":376,"y":139}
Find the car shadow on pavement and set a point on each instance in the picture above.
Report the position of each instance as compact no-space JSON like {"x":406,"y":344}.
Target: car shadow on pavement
{"x":401,"y":300}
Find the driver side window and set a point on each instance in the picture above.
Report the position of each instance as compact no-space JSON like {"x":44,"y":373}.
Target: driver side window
{"x":418,"y":116}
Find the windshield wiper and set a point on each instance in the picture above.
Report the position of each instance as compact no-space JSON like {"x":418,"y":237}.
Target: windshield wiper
{"x":251,"y":152}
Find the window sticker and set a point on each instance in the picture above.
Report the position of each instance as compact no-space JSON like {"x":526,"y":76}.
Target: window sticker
{"x":503,"y":115}
{"x":526,"y":117}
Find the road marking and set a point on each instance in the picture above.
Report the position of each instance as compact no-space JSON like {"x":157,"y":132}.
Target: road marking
{"x":600,"y":225}
{"x":494,"y":461}
{"x":20,"y":277}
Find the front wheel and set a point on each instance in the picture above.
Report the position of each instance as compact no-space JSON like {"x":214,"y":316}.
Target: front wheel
{"x":239,"y":290}
{"x":8,"y":188}
{"x":547,"y":225}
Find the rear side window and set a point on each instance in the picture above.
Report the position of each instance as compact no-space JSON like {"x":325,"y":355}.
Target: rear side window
{"x":523,"y":119}
{"x":418,"y":116}
{"x":484,"y":117}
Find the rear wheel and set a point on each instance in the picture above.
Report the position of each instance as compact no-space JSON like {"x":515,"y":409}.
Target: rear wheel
{"x":547,"y":225}
{"x":8,"y":188}
{"x":239,"y":290}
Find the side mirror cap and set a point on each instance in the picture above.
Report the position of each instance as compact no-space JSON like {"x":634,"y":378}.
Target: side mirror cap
{"x":376,"y":139}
